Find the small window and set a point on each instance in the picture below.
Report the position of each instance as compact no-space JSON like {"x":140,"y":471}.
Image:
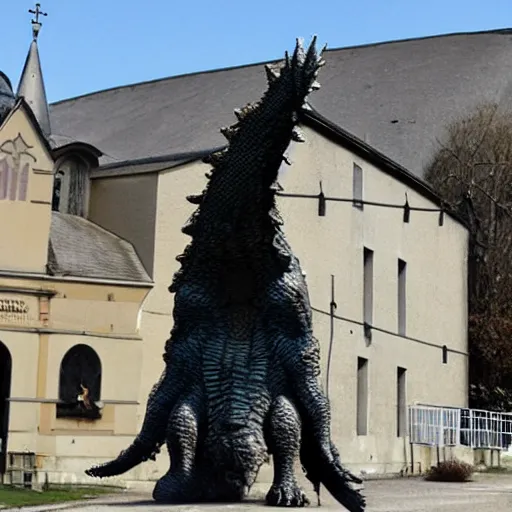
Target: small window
{"x":71,"y":187}
{"x":401,"y":415}
{"x":402,"y":297}
{"x":367,"y":289}
{"x":362,"y":396}
{"x":79,"y":383}
{"x":357,"y":187}
{"x":57,"y":184}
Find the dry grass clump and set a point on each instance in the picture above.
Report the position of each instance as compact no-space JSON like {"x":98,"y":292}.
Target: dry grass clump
{"x":450,"y":471}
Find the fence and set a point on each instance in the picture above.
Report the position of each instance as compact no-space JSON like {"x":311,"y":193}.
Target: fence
{"x":449,"y":426}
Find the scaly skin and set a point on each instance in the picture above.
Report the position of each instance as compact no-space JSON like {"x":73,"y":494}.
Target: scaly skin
{"x":242,"y":365}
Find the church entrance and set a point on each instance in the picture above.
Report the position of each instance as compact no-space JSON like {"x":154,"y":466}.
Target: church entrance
{"x":5,"y":392}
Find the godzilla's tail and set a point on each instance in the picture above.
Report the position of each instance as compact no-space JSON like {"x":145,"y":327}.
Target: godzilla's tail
{"x":126,"y":460}
{"x":149,"y":440}
{"x":324,"y":467}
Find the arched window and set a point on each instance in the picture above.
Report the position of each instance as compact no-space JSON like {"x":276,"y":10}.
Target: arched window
{"x":79,"y":383}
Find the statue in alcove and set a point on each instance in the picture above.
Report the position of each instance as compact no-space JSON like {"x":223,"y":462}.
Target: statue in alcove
{"x":81,"y":407}
{"x":80,"y":384}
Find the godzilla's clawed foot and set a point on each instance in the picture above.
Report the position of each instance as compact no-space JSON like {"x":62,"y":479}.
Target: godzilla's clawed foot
{"x":286,"y":495}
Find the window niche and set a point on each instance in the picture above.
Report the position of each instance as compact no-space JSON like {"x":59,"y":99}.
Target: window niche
{"x":71,"y":186}
{"x":401,"y":402}
{"x":362,"y":397}
{"x":368,"y":293}
{"x":357,"y":186}
{"x":79,"y":384}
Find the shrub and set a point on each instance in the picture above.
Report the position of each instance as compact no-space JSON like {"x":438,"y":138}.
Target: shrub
{"x":450,"y":471}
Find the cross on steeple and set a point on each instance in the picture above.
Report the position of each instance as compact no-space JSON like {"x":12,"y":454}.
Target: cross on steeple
{"x":36,"y":24}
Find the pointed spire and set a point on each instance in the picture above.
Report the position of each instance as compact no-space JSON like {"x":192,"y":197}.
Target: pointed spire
{"x":31,"y":85}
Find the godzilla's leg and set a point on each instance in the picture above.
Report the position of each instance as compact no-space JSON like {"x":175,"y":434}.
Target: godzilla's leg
{"x":284,"y":441}
{"x":177,"y":485}
{"x":301,"y":360}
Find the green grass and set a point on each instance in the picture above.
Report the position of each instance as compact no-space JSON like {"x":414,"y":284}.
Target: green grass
{"x":498,"y":469}
{"x":17,"y":497}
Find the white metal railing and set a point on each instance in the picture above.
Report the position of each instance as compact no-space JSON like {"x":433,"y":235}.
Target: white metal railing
{"x":450,"y":426}
{"x":434,"y":426}
{"x":486,"y":429}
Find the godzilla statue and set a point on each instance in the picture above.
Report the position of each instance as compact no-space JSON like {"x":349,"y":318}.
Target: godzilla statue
{"x":241,"y":377}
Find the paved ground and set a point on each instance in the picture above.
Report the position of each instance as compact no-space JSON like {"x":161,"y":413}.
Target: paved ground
{"x":488,"y":493}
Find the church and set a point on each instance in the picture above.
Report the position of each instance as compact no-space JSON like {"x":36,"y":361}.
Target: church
{"x":92,"y":193}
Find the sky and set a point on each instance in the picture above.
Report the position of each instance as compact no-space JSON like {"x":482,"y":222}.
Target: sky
{"x":86,"y":46}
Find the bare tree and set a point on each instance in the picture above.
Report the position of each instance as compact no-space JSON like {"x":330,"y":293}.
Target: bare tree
{"x":472,"y":172}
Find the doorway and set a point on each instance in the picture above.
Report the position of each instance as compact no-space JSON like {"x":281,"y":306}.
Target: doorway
{"x":5,"y":393}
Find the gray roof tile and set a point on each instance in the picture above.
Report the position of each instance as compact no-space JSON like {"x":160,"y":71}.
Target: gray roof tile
{"x":397,"y":96}
{"x":81,"y":248}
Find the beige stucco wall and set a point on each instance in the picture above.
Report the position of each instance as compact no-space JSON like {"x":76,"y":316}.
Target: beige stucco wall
{"x":136,"y":221}
{"x":436,"y":296}
{"x":62,"y":314}
{"x":20,"y":144}
{"x":436,"y":293}
{"x":133,"y":217}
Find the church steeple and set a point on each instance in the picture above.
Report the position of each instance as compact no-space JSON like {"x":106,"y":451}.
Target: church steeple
{"x":31,"y":85}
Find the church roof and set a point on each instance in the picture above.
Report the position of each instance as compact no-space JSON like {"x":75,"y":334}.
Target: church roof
{"x":396,"y":96}
{"x":31,"y":88}
{"x":80,"y":248}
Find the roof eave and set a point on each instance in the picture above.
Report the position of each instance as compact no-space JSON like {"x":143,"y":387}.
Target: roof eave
{"x":83,"y":148}
{"x":310,"y":117}
{"x":158,"y":163}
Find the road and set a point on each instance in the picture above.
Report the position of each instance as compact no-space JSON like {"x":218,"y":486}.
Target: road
{"x":487,"y":493}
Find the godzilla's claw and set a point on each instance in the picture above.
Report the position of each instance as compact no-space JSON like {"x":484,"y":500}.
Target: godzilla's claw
{"x":95,"y":471}
{"x":286,"y":495}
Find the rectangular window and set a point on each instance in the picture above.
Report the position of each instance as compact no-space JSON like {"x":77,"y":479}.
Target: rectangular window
{"x":401,"y":414}
{"x":402,"y":297}
{"x":357,"y":186}
{"x":368,"y":286}
{"x":362,"y":396}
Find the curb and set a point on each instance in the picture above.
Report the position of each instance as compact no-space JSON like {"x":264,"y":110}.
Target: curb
{"x":69,"y":505}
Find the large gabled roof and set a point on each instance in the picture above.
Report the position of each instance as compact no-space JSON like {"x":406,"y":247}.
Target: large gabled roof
{"x":396,"y":96}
